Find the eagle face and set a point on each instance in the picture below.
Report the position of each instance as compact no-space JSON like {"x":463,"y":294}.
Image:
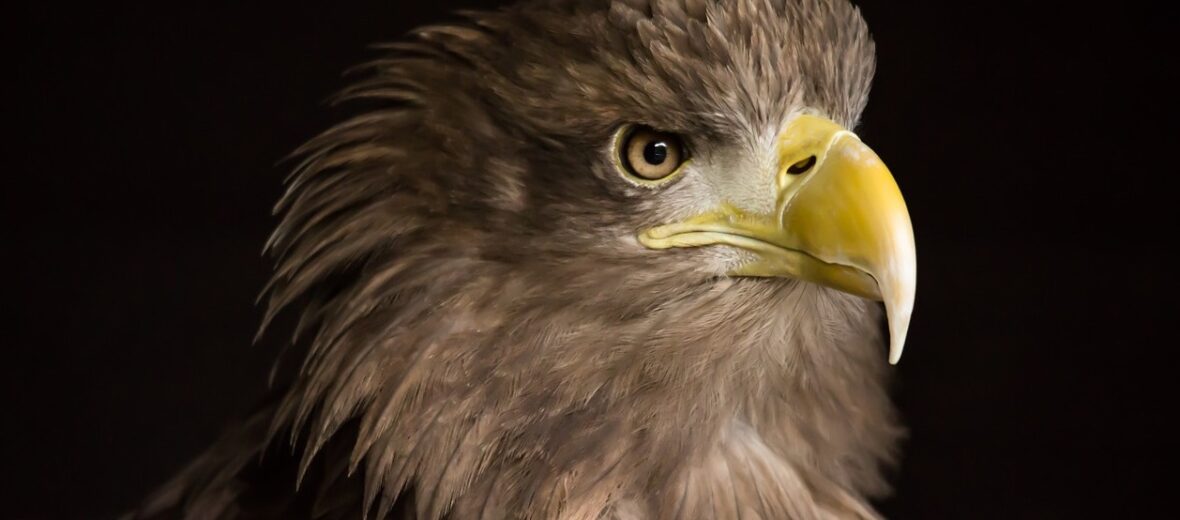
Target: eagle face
{"x":753,"y":102}
{"x":604,"y":259}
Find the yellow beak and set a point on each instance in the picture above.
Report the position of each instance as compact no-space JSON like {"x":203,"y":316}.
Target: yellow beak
{"x":839,"y":221}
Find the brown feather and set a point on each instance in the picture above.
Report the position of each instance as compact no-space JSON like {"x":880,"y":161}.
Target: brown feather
{"x":489,"y":341}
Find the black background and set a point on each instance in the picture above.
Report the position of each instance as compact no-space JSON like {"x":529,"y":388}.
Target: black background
{"x":1033,"y":143}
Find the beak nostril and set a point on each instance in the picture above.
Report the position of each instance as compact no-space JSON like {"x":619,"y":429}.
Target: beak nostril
{"x":801,"y":166}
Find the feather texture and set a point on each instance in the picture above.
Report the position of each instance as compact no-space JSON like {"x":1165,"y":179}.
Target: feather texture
{"x":483,"y":336}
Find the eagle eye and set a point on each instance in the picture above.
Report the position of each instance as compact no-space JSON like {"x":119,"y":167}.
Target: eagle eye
{"x":649,"y":155}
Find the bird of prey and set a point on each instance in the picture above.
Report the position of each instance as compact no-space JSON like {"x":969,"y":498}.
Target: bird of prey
{"x":598,"y":259}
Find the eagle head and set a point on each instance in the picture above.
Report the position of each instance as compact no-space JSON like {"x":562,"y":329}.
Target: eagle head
{"x":603,"y":259}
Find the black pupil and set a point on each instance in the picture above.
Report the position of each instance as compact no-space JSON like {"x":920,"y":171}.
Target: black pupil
{"x":656,"y":152}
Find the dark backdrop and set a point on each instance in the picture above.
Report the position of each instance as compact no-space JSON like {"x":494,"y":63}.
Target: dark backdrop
{"x":1033,"y":143}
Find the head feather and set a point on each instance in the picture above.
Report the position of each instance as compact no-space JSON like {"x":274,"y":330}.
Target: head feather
{"x":475,"y":298}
